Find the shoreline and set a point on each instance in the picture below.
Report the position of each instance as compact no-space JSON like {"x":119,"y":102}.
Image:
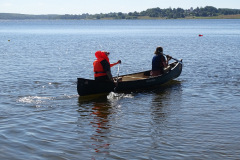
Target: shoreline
{"x":237,"y":16}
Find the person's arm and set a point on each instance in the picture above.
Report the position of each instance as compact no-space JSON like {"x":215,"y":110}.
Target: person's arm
{"x":165,"y":62}
{"x":168,"y":58}
{"x":107,"y":69}
{"x":113,"y":64}
{"x":109,"y":74}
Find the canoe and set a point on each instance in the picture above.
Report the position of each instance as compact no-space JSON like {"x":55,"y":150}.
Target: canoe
{"x":129,"y":82}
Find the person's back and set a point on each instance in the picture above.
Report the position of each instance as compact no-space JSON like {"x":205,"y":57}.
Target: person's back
{"x":158,"y":62}
{"x":157,"y":65}
{"x":101,"y":66}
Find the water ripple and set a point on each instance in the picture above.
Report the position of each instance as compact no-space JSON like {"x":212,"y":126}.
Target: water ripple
{"x":195,"y":117}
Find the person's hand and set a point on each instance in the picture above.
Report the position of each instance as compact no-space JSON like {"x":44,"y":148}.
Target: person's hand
{"x":168,"y":57}
{"x":119,"y":61}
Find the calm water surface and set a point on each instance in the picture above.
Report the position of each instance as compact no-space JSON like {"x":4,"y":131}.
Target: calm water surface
{"x":195,"y":116}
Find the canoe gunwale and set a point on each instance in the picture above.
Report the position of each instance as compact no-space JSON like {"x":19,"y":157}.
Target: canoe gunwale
{"x":89,"y":86}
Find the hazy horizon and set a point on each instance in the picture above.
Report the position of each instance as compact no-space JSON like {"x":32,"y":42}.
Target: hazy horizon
{"x":44,"y":7}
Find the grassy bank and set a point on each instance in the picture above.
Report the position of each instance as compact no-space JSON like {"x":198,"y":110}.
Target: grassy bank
{"x":189,"y":17}
{"x":237,"y":16}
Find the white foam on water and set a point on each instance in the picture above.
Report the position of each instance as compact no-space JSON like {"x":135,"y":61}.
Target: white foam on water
{"x":40,"y":100}
{"x":34,"y":99}
{"x":113,"y":96}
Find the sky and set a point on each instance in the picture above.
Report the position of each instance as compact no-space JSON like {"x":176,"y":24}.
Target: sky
{"x":104,"y":6}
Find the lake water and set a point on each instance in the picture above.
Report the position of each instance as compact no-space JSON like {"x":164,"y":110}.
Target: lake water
{"x":195,"y":116}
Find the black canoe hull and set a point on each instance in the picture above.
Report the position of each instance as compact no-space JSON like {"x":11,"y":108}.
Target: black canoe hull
{"x":89,"y":87}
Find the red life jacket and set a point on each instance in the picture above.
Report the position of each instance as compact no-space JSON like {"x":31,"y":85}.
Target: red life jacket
{"x":98,"y":69}
{"x":97,"y":66}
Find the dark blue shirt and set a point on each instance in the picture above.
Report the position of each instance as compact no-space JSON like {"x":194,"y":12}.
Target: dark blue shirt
{"x":157,"y":62}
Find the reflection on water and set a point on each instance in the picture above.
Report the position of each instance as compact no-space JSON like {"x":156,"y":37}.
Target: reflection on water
{"x":166,"y":101}
{"x":97,"y":111}
{"x":196,"y":117}
{"x":104,"y":115}
{"x":100,"y":123}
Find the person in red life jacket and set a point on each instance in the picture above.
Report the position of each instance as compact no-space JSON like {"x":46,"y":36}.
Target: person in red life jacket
{"x":159,"y":62}
{"x":102,"y":67}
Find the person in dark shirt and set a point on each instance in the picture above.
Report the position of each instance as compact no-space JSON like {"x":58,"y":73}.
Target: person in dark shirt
{"x":159,"y":62}
{"x":102,"y":67}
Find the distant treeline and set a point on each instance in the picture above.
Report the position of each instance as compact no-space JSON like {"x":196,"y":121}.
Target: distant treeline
{"x":168,"y":13}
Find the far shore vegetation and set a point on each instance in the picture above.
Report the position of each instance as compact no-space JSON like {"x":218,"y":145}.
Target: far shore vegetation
{"x":207,"y":12}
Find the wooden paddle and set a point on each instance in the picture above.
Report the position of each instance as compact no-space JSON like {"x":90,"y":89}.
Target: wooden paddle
{"x":180,"y":61}
{"x":115,"y":88}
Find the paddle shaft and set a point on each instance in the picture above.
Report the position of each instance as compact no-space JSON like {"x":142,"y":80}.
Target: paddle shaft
{"x":174,"y":59}
{"x":118,"y":71}
{"x":115,"y":88}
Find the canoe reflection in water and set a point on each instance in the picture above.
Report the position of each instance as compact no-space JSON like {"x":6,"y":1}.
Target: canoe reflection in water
{"x":108,"y":122}
{"x":95,"y":115}
{"x":101,"y":125}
